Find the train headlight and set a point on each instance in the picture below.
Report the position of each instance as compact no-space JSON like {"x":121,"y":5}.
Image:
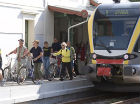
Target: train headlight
{"x":126,"y":57}
{"x":94,"y":56}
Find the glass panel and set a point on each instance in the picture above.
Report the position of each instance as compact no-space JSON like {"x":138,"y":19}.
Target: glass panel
{"x":113,"y":33}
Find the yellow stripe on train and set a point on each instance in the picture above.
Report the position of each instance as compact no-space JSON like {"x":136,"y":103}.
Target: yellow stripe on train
{"x":133,"y":39}
{"x":90,"y":31}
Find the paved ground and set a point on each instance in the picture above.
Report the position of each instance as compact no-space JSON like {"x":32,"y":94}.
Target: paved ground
{"x":29,"y":82}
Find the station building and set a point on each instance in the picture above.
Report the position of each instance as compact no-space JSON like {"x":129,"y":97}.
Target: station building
{"x":43,"y":20}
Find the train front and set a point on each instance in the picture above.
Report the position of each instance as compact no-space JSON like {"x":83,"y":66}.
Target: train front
{"x":115,"y":44}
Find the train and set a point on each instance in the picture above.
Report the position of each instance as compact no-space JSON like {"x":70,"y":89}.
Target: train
{"x":114,"y":39}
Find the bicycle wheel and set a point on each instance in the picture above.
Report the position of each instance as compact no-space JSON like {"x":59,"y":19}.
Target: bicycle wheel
{"x":52,"y":71}
{"x":22,"y":75}
{"x":6,"y":74}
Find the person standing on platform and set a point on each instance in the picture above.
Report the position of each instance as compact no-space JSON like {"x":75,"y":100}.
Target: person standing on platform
{"x":37,"y":59}
{"x":72,"y":56}
{"x":20,"y":51}
{"x":66,"y":62}
{"x":56,"y":45}
{"x":46,"y":59}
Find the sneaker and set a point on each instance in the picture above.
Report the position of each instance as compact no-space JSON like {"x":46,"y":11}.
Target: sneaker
{"x":74,"y":74}
{"x":67,"y":76}
{"x":61,"y":79}
{"x":49,"y":79}
{"x":40,"y":82}
{"x":71,"y":78}
{"x":36,"y":83}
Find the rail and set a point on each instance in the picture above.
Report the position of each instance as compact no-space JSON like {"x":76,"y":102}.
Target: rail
{"x":109,"y":98}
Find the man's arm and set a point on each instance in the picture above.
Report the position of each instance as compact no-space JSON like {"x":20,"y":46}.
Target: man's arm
{"x":26,"y":52}
{"x":14,"y":51}
{"x":57,"y":53}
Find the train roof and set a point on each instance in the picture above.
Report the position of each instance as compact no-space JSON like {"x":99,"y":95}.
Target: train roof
{"x":129,"y":5}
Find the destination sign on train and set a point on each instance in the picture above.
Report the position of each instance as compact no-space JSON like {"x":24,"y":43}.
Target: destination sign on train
{"x":119,"y":12}
{"x":116,"y":12}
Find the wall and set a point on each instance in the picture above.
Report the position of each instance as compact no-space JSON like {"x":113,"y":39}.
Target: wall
{"x":12,"y":23}
{"x":15,"y":12}
{"x":69,"y":3}
{"x":49,"y":26}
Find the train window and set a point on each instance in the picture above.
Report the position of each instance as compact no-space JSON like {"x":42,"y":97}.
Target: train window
{"x":113,"y":32}
{"x":137,"y":45}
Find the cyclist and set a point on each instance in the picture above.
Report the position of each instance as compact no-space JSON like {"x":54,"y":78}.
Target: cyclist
{"x":66,"y":63}
{"x":37,"y":58}
{"x":21,"y":50}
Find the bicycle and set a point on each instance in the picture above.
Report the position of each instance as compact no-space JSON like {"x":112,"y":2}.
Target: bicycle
{"x":12,"y":73}
{"x":1,"y":77}
{"x":54,"y":67}
{"x":31,"y":71}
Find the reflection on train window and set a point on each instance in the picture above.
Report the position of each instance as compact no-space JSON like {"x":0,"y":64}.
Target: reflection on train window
{"x":114,"y":33}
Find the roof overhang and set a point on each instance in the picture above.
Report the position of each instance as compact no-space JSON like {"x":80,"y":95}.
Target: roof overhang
{"x":92,"y":2}
{"x":79,"y":12}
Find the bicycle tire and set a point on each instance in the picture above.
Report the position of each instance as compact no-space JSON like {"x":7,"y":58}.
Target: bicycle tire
{"x":52,"y":71}
{"x":6,"y":74}
{"x":22,"y":75}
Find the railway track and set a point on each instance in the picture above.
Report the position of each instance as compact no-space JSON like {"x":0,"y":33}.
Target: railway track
{"x":110,"y":98}
{"x":129,"y":101}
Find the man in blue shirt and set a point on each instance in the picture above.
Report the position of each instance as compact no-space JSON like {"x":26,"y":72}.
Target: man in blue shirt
{"x":37,"y":59}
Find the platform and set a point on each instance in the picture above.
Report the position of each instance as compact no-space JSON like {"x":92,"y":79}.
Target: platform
{"x":13,"y":93}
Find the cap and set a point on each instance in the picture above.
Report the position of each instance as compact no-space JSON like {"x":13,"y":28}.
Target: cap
{"x":21,"y":40}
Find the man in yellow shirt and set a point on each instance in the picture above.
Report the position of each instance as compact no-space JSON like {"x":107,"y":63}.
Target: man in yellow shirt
{"x":66,"y":62}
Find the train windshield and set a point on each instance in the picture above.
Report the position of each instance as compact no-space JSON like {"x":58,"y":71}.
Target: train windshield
{"x":112,"y":32}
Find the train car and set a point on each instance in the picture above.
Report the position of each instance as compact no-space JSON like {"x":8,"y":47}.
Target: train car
{"x":114,"y":37}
